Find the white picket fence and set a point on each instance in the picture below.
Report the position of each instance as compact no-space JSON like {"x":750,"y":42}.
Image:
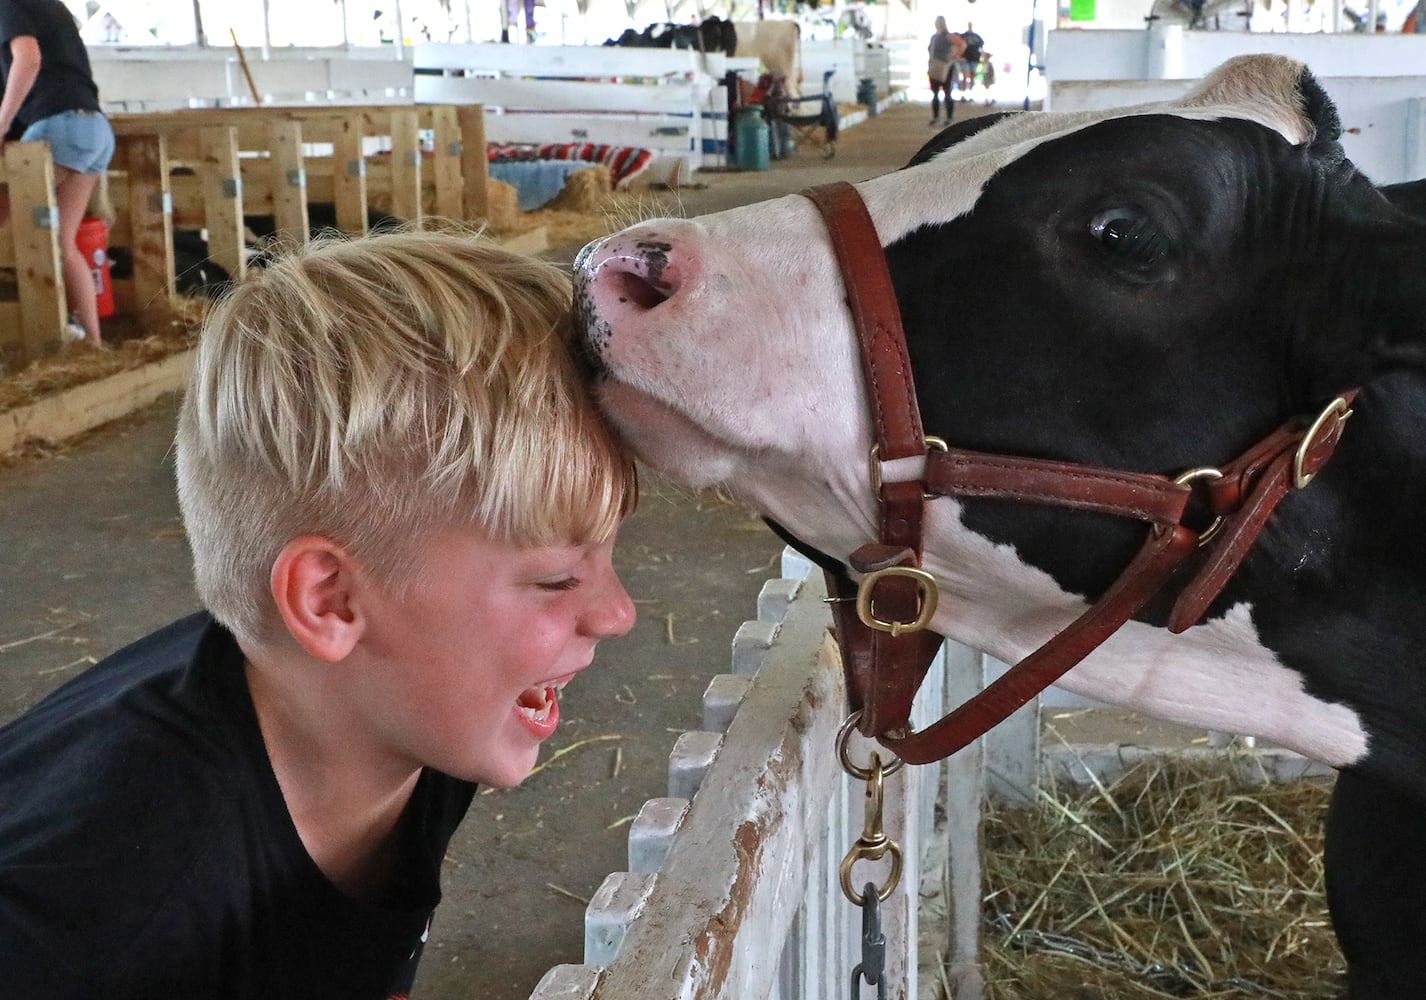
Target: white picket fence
{"x":733,"y":888}
{"x":669,"y":101}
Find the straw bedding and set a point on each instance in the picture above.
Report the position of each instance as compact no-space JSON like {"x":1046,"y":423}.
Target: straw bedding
{"x":1177,"y":880}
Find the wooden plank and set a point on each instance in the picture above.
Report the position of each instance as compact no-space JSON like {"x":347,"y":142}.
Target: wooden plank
{"x":12,"y":329}
{"x":449,"y":202}
{"x":35,"y":222}
{"x":93,"y":403}
{"x":474,"y":164}
{"x":349,"y":176}
{"x":223,"y":198}
{"x":406,"y":165}
{"x":289,"y":181}
{"x":150,"y":218}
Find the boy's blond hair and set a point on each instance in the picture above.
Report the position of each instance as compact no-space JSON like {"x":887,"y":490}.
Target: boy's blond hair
{"x":374,"y":390}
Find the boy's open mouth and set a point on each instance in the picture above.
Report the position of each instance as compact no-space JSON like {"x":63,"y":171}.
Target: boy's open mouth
{"x":538,"y":706}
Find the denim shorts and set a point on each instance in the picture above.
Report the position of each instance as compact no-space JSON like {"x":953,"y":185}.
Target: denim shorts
{"x":79,"y":140}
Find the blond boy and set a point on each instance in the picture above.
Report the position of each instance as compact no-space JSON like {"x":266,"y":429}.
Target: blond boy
{"x":401,"y":507}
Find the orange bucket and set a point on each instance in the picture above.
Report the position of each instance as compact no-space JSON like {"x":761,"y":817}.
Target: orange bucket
{"x":93,"y":242}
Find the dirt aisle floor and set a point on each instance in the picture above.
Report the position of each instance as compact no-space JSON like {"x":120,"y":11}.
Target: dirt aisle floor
{"x":95,"y":557}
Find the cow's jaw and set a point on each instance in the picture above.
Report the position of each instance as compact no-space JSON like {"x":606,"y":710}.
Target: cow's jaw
{"x":763,"y":414}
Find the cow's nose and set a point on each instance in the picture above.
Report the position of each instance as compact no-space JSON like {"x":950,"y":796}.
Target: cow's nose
{"x":624,"y":277}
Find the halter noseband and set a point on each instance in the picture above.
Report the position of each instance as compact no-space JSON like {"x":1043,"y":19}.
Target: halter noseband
{"x":882,"y":621}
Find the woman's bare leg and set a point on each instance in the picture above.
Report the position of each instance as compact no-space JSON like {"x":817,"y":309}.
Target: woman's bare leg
{"x":72,"y":191}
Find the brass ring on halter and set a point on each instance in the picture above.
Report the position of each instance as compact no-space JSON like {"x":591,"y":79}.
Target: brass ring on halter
{"x":1192,"y":475}
{"x":860,"y":773}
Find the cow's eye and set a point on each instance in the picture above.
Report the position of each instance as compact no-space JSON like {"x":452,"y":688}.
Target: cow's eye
{"x":1129,"y":234}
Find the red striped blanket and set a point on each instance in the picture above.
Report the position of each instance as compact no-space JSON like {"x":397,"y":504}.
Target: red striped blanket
{"x":624,"y":162}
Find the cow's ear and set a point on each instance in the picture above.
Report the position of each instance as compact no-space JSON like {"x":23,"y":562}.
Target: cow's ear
{"x":956,"y":132}
{"x":1319,"y":110}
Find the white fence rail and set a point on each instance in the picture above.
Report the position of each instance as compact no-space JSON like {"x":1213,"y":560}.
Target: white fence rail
{"x":669,"y":101}
{"x":732,"y":889}
{"x":159,"y":79}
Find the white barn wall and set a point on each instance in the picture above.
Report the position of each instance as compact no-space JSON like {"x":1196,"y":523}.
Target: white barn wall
{"x":1171,"y":52}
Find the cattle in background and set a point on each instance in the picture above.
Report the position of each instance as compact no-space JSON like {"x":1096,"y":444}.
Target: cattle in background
{"x":197,"y":275}
{"x":1157,"y":288}
{"x":775,"y":44}
{"x":714,"y":34}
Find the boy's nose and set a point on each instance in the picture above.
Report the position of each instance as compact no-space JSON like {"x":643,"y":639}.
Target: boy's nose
{"x":613,"y":613}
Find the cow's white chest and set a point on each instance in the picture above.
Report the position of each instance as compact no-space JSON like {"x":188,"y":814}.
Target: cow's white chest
{"x":1217,"y":675}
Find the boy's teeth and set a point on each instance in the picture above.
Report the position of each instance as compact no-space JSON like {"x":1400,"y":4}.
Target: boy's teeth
{"x":536,"y":701}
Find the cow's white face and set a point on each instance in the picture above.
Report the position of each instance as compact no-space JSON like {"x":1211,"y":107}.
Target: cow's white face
{"x":728,"y":357}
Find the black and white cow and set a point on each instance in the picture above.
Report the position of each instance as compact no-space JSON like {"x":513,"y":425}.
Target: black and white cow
{"x":1152,"y":289}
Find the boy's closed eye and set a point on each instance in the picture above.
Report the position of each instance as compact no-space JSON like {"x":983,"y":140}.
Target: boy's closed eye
{"x":562,"y":584}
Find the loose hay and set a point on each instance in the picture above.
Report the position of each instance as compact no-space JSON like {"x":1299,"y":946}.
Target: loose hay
{"x":1178,"y":880}
{"x":164,"y":332}
{"x":584,"y":190}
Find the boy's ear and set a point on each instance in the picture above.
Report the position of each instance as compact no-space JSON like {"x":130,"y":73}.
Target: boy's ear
{"x":314,"y":582}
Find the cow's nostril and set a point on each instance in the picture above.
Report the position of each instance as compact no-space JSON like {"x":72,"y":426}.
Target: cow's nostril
{"x":630,"y":287}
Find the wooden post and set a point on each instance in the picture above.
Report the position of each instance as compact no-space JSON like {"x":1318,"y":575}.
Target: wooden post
{"x":349,"y":175}
{"x":405,"y":165}
{"x":223,"y":198}
{"x":474,"y":166}
{"x":446,"y":162}
{"x":34,"y":220}
{"x":150,"y":218}
{"x":289,"y":181}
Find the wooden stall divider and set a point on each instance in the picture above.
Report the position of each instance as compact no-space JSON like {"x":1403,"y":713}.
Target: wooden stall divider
{"x":474,"y":164}
{"x":150,"y":218}
{"x":222,"y":182}
{"x":288,"y":175}
{"x":34,"y":327}
{"x":233,"y":162}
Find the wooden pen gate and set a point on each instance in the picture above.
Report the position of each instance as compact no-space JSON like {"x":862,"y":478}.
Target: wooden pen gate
{"x":208,"y":169}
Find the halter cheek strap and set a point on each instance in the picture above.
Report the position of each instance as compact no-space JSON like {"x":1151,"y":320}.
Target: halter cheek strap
{"x":882,"y":620}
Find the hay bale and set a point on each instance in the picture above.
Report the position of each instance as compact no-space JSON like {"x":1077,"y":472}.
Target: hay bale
{"x":587,"y":190}
{"x":503,"y":204}
{"x":1178,"y":880}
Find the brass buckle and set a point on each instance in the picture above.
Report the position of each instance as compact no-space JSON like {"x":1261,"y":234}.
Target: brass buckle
{"x":930,"y":595}
{"x":874,"y":460}
{"x":1337,"y":408}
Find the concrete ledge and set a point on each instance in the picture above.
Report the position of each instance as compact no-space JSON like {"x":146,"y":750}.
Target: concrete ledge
{"x":84,"y":407}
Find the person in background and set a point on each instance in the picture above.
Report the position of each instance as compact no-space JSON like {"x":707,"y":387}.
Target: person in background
{"x":970,"y":59}
{"x":944,"y":51}
{"x":50,"y":96}
{"x":401,"y":504}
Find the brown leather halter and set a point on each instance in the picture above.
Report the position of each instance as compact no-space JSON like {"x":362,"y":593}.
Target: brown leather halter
{"x":881,"y":622}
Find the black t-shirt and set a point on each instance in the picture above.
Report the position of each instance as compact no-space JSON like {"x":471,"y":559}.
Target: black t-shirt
{"x":146,"y":850}
{"x":974,"y":43}
{"x":65,"y":81}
